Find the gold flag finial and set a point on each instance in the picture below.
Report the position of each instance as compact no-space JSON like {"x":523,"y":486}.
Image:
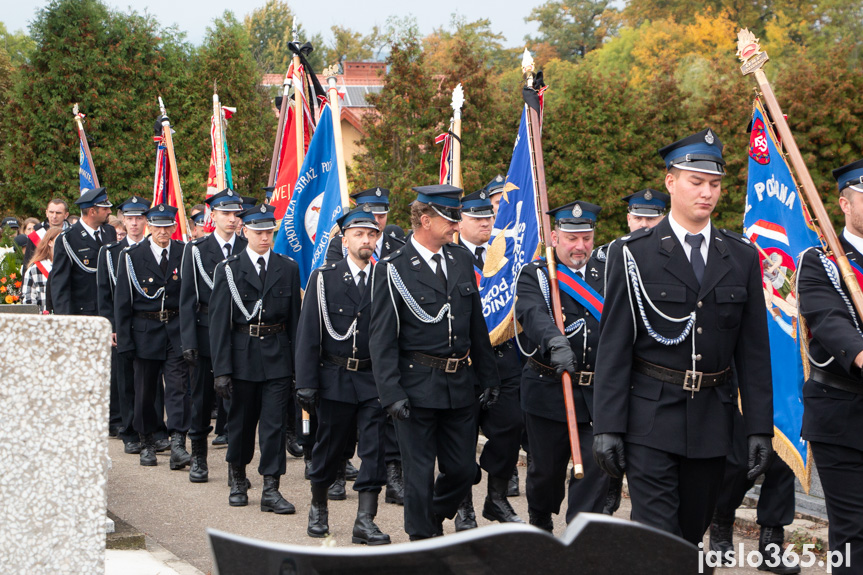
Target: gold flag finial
{"x":749,"y":52}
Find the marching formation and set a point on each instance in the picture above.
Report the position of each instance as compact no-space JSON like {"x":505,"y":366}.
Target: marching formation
{"x":651,"y":356}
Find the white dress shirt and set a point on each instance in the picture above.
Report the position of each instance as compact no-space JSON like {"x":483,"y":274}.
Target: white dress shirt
{"x":355,"y":270}
{"x":680,"y":232}
{"x":427,"y":254}
{"x":223,"y":243}
{"x":253,"y":255}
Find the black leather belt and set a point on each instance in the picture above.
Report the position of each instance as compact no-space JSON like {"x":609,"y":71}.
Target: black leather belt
{"x":690,"y":380}
{"x":163,"y":316}
{"x":447,"y":364}
{"x":259,"y":329}
{"x":837,"y":381}
{"x":349,"y":363}
{"x":203,"y":308}
{"x":583,"y":378}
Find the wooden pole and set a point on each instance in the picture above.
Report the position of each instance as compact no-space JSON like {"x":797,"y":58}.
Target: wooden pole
{"x":83,"y":137}
{"x":457,"y":102}
{"x":218,"y":142}
{"x":280,"y":132}
{"x":175,"y":175}
{"x":535,"y":147}
{"x":333,"y":94}
{"x":753,"y":59}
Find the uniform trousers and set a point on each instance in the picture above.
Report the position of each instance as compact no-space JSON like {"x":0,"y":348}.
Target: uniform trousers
{"x":502,"y":426}
{"x":258,"y":405}
{"x":841,"y":471}
{"x":203,"y":396}
{"x":340,"y":426}
{"x":177,"y":403}
{"x":115,"y":416}
{"x":776,"y":498}
{"x":547,"y":475}
{"x":445,"y":435}
{"x":670,"y":492}
{"x":391,"y":442}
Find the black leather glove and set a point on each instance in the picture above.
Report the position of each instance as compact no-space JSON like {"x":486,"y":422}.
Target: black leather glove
{"x":489,"y":397}
{"x":223,"y":386}
{"x":561,"y":356}
{"x":191,"y":357}
{"x":608,"y":453}
{"x":760,"y":455}
{"x":400,"y":409}
{"x":307,"y":397}
{"x":129,"y":356}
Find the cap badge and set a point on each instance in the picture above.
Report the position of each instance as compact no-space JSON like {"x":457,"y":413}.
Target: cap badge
{"x":134,"y":200}
{"x":263,"y":208}
{"x":648,"y":195}
{"x":708,"y":137}
{"x":498,"y":179}
{"x":230,"y":193}
{"x":378,"y":192}
{"x":482,"y":195}
{"x":576,"y":211}
{"x":161,"y":208}
{"x":367,"y":208}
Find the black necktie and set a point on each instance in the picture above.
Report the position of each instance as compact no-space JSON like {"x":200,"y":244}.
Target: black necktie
{"x":361,"y":285}
{"x":227,"y":250}
{"x":439,"y":273}
{"x":263,"y":273}
{"x":478,"y":256}
{"x":695,"y":258}
{"x":98,"y":237}
{"x":580,"y":274}
{"x":164,"y":262}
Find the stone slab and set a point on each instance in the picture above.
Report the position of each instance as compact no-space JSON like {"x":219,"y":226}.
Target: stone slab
{"x":53,"y":443}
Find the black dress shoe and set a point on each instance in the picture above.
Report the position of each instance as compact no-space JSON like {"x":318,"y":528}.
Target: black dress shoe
{"x":291,"y":444}
{"x":350,"y":471}
{"x":272,"y":501}
{"x":220,"y":440}
{"x":180,"y":458}
{"x":113,"y":431}
{"x":465,"y":517}
{"x":239,"y":496}
{"x":163,"y":444}
{"x":365,"y":531}
{"x":133,"y":447}
{"x":496,"y":507}
{"x":318,"y":513}
{"x":147,"y":456}
{"x":199,"y":472}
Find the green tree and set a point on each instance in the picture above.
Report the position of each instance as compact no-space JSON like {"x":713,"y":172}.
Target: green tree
{"x":573,"y":27}
{"x":18,"y":45}
{"x":351,"y":45}
{"x":269,"y":29}
{"x":114,"y":65}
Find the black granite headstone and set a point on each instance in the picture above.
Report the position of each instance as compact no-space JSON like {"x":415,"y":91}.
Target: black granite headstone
{"x":591,"y":545}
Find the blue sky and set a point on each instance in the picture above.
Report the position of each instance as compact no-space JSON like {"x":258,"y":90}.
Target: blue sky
{"x":193,"y":16}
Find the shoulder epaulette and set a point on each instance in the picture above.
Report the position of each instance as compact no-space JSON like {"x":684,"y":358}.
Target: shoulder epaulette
{"x":197,"y":241}
{"x":601,"y":253}
{"x":132,"y":247}
{"x":739,"y":237}
{"x":458,"y":246}
{"x":539,"y":263}
{"x":636,"y":235}
{"x":393,"y":255}
{"x":233,"y":258}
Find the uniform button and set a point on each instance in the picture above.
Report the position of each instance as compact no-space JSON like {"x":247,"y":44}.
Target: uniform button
{"x":698,"y":357}
{"x":700,"y":304}
{"x":422,"y":298}
{"x":449,"y":298}
{"x":587,"y":368}
{"x":359,"y":314}
{"x":732,"y":296}
{"x":662,"y":294}
{"x":455,"y":337}
{"x":411,"y":366}
{"x":588,"y":331}
{"x":589,"y":349}
{"x":500,"y":354}
{"x":340,"y":309}
{"x":699,"y":331}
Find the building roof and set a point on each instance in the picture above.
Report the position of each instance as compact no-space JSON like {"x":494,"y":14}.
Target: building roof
{"x":358,"y":81}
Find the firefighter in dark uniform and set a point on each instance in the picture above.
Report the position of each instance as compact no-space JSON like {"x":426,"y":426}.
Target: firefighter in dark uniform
{"x":146,"y":311}
{"x":683,"y":303}
{"x":254,"y":310}
{"x":390,"y":239}
{"x":429,"y":343}
{"x":199,"y":263}
{"x":133,"y":211}
{"x":73,"y":276}
{"x":644,"y":209}
{"x":502,"y":426}
{"x":335,"y":378}
{"x":550,"y":353}
{"x":833,"y":394}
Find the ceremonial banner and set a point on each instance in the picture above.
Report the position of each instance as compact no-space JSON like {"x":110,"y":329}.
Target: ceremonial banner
{"x":777,"y":222}
{"x":212,"y":175}
{"x":315,"y":205}
{"x":163,"y":184}
{"x":85,"y":171}
{"x":287,"y":167}
{"x":516,"y":240}
{"x":446,"y":156}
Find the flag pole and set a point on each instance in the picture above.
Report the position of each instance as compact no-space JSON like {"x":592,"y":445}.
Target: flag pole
{"x":299,"y":117}
{"x":753,"y":58}
{"x":175,"y":175}
{"x":82,"y":135}
{"x":457,"y":102}
{"x":535,"y":146}
{"x":217,"y":140}
{"x":333,"y":93}
{"x":280,"y":131}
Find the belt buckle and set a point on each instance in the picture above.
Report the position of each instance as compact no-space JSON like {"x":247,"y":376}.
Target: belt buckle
{"x":163,"y":316}
{"x":585,"y":378}
{"x":353,"y":364}
{"x":254,"y":330}
{"x":451,"y":365}
{"x":692,"y":381}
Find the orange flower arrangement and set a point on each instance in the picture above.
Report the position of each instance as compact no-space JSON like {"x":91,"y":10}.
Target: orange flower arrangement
{"x":11,"y":286}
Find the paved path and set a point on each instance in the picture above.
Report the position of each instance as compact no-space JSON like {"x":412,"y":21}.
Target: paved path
{"x":175,"y":513}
